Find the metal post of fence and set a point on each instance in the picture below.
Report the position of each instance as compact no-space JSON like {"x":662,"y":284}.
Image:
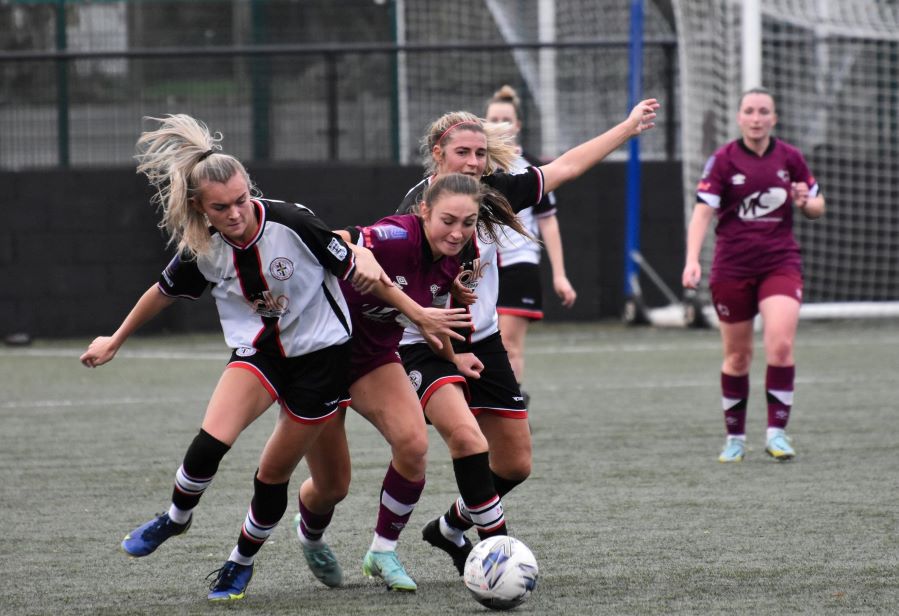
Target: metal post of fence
{"x":331,"y":95}
{"x":62,"y":88}
{"x":260,"y":67}
{"x":670,"y":102}
{"x":395,"y":92}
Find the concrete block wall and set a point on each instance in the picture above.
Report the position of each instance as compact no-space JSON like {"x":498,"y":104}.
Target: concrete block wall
{"x":81,"y":246}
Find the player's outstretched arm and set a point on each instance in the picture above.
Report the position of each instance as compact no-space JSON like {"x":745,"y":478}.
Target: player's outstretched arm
{"x":104,"y":348}
{"x":577,"y":160}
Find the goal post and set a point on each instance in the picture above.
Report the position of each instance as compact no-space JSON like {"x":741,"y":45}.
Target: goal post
{"x":833,"y":66}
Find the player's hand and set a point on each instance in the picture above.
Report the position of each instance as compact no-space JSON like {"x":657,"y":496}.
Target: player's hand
{"x":100,"y":351}
{"x":564,"y":290}
{"x":463,"y":295}
{"x":436,"y":322}
{"x":692,"y":275}
{"x":469,"y":365}
{"x":799,"y":194}
{"x":368,"y":272}
{"x":642,"y":116}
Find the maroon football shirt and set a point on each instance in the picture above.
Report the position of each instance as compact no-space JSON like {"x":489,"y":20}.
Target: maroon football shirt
{"x":401,"y":248}
{"x":751,"y":198}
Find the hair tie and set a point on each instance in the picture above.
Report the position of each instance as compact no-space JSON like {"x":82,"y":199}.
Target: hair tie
{"x":443,"y":134}
{"x":206,"y":154}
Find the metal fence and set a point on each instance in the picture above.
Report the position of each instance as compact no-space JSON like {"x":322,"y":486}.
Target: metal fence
{"x":78,"y":77}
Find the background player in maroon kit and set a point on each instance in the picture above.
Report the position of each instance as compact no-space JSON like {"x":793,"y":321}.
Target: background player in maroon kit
{"x":419,"y":252}
{"x":460,"y":142}
{"x":273,"y":268}
{"x":751,"y":185}
{"x":520,"y":294}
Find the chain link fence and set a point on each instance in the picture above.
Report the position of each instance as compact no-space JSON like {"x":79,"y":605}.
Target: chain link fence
{"x":317,"y":80}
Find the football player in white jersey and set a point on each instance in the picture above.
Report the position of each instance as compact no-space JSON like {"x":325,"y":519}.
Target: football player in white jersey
{"x":520,"y":295}
{"x":460,"y":142}
{"x":273,"y":268}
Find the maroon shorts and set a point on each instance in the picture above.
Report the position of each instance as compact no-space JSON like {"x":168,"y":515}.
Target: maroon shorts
{"x":363,"y":363}
{"x":738,"y":300}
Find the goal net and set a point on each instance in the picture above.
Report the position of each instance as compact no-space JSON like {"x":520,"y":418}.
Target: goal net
{"x":569,"y":92}
{"x":833,"y":66}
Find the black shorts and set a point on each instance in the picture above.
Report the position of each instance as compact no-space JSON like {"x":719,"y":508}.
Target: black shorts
{"x":520,"y":291}
{"x":310,"y":387}
{"x":496,"y":392}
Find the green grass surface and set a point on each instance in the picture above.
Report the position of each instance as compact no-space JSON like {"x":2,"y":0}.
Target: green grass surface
{"x":627,"y":509}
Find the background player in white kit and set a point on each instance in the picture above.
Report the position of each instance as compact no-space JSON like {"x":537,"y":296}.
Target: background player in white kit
{"x":520,"y":298}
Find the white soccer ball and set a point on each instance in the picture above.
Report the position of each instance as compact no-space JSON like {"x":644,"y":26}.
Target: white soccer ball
{"x":500,"y":572}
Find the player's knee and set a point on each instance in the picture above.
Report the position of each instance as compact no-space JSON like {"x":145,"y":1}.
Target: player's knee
{"x":517,"y":473}
{"x":738,"y":362}
{"x":331,"y":489}
{"x":465,"y":440}
{"x":412,"y":453}
{"x":520,"y":469}
{"x":515,"y":468}
{"x":512,"y":348}
{"x":334,"y":493}
{"x":780,"y":352}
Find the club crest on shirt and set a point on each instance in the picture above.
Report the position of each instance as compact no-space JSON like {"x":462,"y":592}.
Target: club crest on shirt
{"x":281,"y":268}
{"x":415,"y":379}
{"x":760,"y":204}
{"x":401,"y":281}
{"x":784,"y":175}
{"x":337,"y":248}
{"x":389,"y":232}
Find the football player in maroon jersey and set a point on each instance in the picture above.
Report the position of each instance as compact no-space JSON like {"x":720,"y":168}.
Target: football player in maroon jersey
{"x":753,"y":185}
{"x":419,"y":251}
{"x":460,"y":142}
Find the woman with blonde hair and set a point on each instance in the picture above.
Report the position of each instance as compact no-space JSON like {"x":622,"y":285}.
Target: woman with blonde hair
{"x":274,"y":270}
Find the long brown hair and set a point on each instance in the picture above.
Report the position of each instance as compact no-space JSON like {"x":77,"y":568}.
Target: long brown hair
{"x":494,"y":211}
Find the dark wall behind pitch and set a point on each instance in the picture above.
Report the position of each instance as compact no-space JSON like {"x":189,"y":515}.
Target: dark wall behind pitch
{"x":81,"y":246}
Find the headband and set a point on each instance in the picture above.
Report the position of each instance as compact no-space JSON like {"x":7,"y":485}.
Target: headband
{"x":444,"y":133}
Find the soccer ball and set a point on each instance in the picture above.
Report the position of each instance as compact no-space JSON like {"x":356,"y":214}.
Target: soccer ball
{"x":500,"y":572}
